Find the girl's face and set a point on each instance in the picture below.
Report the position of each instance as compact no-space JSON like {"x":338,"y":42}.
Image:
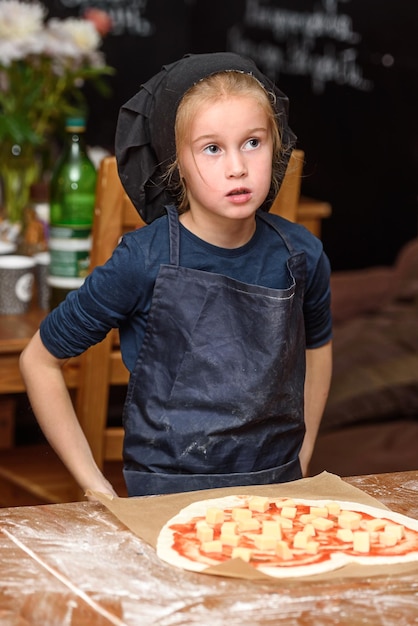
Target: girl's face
{"x":227,"y":162}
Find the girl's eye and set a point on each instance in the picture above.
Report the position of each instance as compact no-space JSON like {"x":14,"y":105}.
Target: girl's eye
{"x":212,"y":149}
{"x":253,"y":143}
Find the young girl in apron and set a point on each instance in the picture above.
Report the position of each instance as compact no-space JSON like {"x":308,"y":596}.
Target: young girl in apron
{"x":223,"y":309}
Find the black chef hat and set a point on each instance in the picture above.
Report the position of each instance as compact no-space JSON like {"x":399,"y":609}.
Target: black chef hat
{"x":145,"y":142}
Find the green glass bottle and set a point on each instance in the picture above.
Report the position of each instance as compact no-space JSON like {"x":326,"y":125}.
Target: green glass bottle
{"x":72,"y":197}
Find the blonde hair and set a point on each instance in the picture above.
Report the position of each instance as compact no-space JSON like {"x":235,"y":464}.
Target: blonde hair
{"x":221,"y":85}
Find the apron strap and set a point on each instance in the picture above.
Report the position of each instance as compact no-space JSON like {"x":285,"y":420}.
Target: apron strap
{"x":174,"y":234}
{"x":266,"y":217}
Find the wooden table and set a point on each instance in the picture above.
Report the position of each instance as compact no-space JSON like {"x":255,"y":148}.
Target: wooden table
{"x":15,"y":333}
{"x":77,"y":565}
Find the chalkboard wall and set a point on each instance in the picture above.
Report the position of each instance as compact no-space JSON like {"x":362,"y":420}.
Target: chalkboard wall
{"x":350,"y":69}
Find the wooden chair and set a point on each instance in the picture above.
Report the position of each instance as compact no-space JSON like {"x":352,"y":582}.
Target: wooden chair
{"x":287,"y":200}
{"x":101,"y":365}
{"x":35,"y":475}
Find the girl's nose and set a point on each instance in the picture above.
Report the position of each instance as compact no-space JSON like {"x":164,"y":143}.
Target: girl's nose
{"x":236,"y":166}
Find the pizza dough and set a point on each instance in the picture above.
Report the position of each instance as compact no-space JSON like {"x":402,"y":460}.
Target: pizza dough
{"x":284,"y":537}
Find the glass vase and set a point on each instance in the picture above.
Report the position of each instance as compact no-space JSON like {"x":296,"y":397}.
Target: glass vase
{"x":19,"y":169}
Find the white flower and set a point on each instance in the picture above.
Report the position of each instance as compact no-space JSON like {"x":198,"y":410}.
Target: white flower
{"x":42,"y":66}
{"x":76,"y":36}
{"x":20,"y":20}
{"x":72,"y":40}
{"x":21,"y":27}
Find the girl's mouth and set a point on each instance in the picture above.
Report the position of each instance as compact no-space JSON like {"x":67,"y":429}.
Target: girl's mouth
{"x":238,"y":192}
{"x":239,"y":196}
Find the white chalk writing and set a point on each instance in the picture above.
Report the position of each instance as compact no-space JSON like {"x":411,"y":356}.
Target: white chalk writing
{"x":127,"y":15}
{"x":320,"y":44}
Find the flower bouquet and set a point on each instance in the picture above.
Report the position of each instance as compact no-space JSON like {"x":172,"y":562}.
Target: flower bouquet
{"x":43,"y":66}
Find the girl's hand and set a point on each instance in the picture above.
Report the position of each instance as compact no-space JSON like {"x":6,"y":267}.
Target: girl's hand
{"x":105,"y":488}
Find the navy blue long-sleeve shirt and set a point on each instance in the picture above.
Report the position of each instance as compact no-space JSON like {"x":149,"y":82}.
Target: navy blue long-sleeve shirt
{"x":119,"y":293}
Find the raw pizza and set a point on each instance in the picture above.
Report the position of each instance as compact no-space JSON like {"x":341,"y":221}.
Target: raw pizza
{"x":285,"y":537}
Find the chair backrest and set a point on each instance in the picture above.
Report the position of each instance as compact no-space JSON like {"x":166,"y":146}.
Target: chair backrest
{"x":101,"y":365}
{"x":287,"y":200}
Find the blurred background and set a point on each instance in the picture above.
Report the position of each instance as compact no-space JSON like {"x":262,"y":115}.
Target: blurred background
{"x":350,"y":70}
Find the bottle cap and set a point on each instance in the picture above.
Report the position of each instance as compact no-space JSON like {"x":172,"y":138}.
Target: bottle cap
{"x":75,"y":123}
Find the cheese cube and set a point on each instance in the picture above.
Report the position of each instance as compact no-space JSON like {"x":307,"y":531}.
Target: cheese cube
{"x":259,"y":504}
{"x":397,"y":529}
{"x":319,"y":511}
{"x":388,"y":539}
{"x":272,"y":528}
{"x":242,"y":553}
{"x":284,"y":502}
{"x":229,"y":539}
{"x":247,"y":525}
{"x":306,"y":518}
{"x":300,"y":540}
{"x":361,"y":541}
{"x":289,"y":512}
{"x":345,"y":535}
{"x":204,"y":533}
{"x":212,"y":546}
{"x":285,"y":523}
{"x":334,"y":508}
{"x":309,"y":530}
{"x":374,"y":536}
{"x":265,"y":542}
{"x":349,"y":519}
{"x":322,"y":523}
{"x":229,"y":528}
{"x":241,"y":514}
{"x":312,"y":547}
{"x":283,"y":551}
{"x":214,"y":515}
{"x":372,"y":525}
{"x":229,"y":536}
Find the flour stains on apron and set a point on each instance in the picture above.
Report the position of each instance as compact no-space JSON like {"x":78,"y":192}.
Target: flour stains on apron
{"x":216,"y":395}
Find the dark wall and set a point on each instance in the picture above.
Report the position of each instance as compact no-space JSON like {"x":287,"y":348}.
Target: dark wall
{"x":350,"y":69}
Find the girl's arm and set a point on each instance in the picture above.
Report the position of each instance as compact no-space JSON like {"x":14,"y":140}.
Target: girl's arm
{"x":54,"y":411}
{"x":317,"y":383}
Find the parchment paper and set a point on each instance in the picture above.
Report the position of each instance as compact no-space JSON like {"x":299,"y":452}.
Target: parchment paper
{"x":146,"y":516}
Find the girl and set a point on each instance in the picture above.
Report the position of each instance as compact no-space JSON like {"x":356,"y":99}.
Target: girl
{"x":223,"y":309}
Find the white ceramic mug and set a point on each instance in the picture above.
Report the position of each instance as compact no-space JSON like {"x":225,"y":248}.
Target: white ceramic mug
{"x":17,"y":274}
{"x":7,"y":247}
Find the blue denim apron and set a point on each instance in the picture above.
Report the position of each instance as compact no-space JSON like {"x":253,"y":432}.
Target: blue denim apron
{"x":216,"y":395}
